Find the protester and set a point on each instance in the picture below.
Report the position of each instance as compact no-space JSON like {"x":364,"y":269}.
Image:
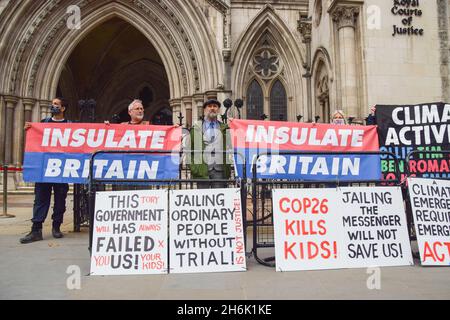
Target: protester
{"x":136,"y":112}
{"x":338,"y":117}
{"x":43,"y":191}
{"x":209,"y":137}
{"x":371,"y":119}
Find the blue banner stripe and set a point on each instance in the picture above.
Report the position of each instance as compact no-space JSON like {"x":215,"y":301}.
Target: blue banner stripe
{"x":74,"y":167}
{"x":310,"y":167}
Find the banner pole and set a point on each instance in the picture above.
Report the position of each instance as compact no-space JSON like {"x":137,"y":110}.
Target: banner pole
{"x":5,"y":194}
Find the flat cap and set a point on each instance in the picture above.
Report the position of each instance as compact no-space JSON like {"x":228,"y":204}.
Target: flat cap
{"x":211,"y":101}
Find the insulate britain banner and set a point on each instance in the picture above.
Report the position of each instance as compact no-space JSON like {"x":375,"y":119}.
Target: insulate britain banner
{"x":256,"y":139}
{"x":60,"y":153}
{"x":403,"y":129}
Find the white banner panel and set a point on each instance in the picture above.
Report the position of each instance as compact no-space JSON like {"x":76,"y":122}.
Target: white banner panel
{"x":351,"y":227}
{"x":130,"y":233}
{"x":206,"y":231}
{"x":430,"y":203}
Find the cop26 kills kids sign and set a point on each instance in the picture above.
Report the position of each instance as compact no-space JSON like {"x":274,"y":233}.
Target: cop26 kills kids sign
{"x":430,"y":204}
{"x":130,"y":233}
{"x":268,"y":144}
{"x":206,"y":231}
{"x":340,"y":228}
{"x":60,"y":153}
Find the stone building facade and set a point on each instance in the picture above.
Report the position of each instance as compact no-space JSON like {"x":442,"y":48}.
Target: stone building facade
{"x":287,"y":59}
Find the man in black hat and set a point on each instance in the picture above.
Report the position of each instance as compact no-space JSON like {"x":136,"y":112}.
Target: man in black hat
{"x":209,"y":136}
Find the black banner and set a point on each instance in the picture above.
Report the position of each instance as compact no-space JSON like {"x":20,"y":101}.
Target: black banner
{"x":402,"y":129}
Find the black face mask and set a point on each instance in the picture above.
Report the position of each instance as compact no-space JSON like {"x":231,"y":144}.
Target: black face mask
{"x":55,"y":110}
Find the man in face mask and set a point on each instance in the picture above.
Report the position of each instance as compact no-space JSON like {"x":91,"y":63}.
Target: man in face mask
{"x":43,"y":191}
{"x":209,"y":136}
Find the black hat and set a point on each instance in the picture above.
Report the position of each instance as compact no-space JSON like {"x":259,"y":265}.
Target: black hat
{"x":211,"y":101}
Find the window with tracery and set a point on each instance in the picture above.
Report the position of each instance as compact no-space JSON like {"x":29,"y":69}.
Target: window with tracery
{"x":255,"y":101}
{"x":278,"y":102}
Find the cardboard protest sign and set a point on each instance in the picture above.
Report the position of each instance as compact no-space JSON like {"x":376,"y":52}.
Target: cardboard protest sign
{"x":61,"y":153}
{"x":350,"y":227}
{"x":430,"y":204}
{"x":130,"y":233}
{"x":206,"y":231}
{"x":402,"y":129}
{"x":270,"y":139}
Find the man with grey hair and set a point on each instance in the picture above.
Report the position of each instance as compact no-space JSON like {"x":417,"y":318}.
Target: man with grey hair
{"x":136,"y":112}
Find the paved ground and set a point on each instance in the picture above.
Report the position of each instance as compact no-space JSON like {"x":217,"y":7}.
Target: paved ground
{"x":39,"y":271}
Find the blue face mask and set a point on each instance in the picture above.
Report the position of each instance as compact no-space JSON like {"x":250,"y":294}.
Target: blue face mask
{"x":339,"y":121}
{"x":55,"y":110}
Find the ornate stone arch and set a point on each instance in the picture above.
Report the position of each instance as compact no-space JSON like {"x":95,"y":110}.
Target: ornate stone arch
{"x":267,"y":25}
{"x":322,"y":88}
{"x":166,"y":24}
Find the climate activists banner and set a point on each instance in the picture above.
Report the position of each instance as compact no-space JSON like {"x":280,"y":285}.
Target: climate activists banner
{"x":403,"y":129}
{"x":350,"y":227}
{"x":430,"y":204}
{"x":60,"y":153}
{"x":253,"y":138}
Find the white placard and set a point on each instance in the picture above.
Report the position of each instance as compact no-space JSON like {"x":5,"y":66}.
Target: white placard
{"x":206,"y":231}
{"x":130,"y":233}
{"x":430,"y":204}
{"x":351,"y":227}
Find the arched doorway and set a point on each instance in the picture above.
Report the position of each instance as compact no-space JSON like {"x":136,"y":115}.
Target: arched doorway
{"x":115,"y":64}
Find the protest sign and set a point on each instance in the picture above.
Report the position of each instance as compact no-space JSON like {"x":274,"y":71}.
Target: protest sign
{"x":403,"y":129}
{"x":130,"y":233}
{"x":430,"y":204}
{"x":269,"y":139}
{"x":340,"y":228}
{"x":206,"y":231}
{"x":60,"y":153}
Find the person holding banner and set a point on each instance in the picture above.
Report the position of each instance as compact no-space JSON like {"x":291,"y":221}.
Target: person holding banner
{"x":136,"y":112}
{"x":372,"y":119}
{"x":43,"y":191}
{"x":338,"y":117}
{"x":209,"y":137}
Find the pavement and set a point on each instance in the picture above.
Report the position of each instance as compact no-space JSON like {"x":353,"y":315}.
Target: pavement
{"x":55,"y":269}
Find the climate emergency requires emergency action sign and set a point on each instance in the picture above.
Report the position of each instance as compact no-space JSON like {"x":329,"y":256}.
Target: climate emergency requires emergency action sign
{"x":130,"y":233}
{"x":340,"y":228}
{"x":206,"y":231}
{"x":266,"y":143}
{"x":430,"y":203}
{"x":60,"y":153}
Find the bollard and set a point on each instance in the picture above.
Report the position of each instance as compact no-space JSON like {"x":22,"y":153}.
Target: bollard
{"x":5,"y":194}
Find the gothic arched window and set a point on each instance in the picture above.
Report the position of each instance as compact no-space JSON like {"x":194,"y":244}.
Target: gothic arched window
{"x":278,"y":102}
{"x":255,"y":101}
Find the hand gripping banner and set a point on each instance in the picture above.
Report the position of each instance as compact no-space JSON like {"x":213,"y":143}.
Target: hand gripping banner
{"x":60,"y":153}
{"x":265,"y":142}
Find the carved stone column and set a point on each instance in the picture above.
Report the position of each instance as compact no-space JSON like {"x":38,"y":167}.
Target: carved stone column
{"x":18,"y":134}
{"x":345,"y":21}
{"x":28,"y":105}
{"x":2,"y":128}
{"x":304,"y":27}
{"x":211,"y":94}
{"x":11,"y":103}
{"x":45,"y":108}
{"x":187,"y":103}
{"x":175,"y":104}
{"x":198,"y":109}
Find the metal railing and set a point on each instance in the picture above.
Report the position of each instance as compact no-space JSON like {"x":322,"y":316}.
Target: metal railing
{"x":263,"y":232}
